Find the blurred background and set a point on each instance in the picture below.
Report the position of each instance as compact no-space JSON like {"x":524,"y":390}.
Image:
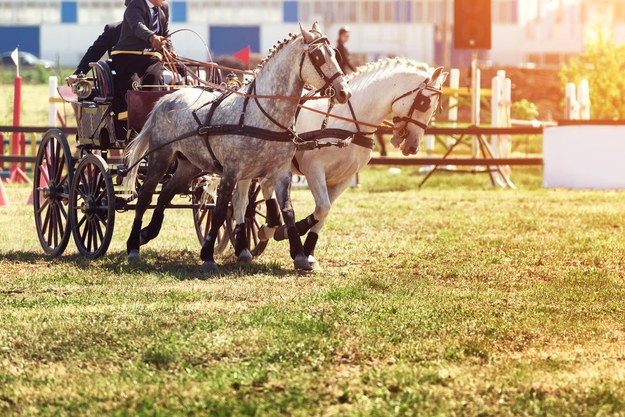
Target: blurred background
{"x":531,"y":39}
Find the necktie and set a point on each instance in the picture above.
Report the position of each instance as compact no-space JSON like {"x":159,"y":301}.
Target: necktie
{"x":154,"y":19}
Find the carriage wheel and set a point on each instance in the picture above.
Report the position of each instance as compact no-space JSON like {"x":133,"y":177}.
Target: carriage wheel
{"x":54,"y":169}
{"x":203,"y":204}
{"x":92,"y":207}
{"x":255,"y":217}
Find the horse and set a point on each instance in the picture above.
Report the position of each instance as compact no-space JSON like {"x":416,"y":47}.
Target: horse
{"x":379,"y":93}
{"x":242,"y":135}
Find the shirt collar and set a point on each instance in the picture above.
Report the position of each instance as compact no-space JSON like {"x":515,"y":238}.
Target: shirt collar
{"x":150,"y":5}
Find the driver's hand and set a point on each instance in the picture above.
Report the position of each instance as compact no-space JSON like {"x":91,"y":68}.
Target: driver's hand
{"x":157,"y":42}
{"x":71,"y":79}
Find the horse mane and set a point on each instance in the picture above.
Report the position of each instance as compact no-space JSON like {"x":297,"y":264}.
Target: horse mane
{"x":274,"y":50}
{"x":364,"y":73}
{"x":389,"y":63}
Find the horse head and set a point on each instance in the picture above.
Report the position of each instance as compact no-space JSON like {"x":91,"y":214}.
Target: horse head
{"x":320,"y":68}
{"x":414,"y":109}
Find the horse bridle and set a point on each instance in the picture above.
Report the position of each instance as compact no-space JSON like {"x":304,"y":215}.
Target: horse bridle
{"x":313,"y":51}
{"x":421,"y":104}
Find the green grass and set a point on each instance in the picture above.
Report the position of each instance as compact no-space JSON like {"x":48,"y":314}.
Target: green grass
{"x":454,"y":300}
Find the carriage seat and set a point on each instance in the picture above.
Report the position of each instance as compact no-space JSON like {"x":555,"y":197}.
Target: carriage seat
{"x":104,"y":84}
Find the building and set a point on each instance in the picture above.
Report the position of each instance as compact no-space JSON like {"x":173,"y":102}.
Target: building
{"x":542,"y":32}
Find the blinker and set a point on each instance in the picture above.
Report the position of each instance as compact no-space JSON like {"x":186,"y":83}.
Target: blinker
{"x":422,"y":102}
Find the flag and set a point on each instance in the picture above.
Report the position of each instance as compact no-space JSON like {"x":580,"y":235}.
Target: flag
{"x":15,"y":57}
{"x":243,"y":55}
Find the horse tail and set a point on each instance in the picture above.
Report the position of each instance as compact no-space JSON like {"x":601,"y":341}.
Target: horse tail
{"x":135,"y":151}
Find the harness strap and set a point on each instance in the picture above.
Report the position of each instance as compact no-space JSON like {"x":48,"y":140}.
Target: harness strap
{"x":206,"y":134}
{"x":246,"y":101}
{"x":363,"y":141}
{"x":324,"y":124}
{"x":398,"y":119}
{"x":267,"y":115}
{"x":250,"y":131}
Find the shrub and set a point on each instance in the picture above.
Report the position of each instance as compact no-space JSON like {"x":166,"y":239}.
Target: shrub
{"x":603,"y":64}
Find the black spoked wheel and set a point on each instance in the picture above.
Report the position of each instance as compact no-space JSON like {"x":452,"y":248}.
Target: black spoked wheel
{"x":92,"y":207}
{"x":255,"y":217}
{"x":204,"y":193}
{"x":54,"y":169}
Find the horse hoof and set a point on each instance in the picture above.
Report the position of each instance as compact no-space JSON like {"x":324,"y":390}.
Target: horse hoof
{"x":301,"y":263}
{"x":134,"y":256}
{"x":314,"y":263}
{"x":245,"y":257}
{"x":266,"y":233}
{"x":210,"y":267}
{"x":281,"y":234}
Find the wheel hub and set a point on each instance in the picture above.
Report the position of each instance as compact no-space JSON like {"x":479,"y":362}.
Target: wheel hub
{"x":88,"y":207}
{"x":49,"y":192}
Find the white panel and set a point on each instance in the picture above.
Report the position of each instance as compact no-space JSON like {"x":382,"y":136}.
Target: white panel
{"x":507,"y":44}
{"x":584,"y":157}
{"x":272,"y":33}
{"x":68,"y":43}
{"x":415,"y":41}
{"x":188,"y":44}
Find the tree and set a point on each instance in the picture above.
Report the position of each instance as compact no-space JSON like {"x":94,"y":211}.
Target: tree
{"x":603,"y":64}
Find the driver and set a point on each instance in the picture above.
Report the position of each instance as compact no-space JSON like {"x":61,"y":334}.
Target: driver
{"x":139,"y":49}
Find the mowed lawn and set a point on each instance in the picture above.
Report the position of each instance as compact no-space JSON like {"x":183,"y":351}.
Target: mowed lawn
{"x":454,"y":300}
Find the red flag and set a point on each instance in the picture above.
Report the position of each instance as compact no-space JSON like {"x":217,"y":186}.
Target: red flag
{"x":243,"y":55}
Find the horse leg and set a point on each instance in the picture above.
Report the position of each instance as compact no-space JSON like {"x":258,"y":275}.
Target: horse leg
{"x":283,"y":193}
{"x":158,"y":164}
{"x":322,"y":210}
{"x":224,"y":195}
{"x":317,"y":184}
{"x":178,"y":183}
{"x":240,"y":201}
{"x":268,"y":229}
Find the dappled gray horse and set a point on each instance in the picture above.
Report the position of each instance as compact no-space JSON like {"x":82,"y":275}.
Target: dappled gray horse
{"x":240,"y":136}
{"x":398,"y":89}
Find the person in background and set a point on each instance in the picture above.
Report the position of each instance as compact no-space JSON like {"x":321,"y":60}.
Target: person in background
{"x":102,"y":45}
{"x":344,"y":61}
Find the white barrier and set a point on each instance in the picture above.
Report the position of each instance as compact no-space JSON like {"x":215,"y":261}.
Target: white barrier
{"x":568,"y":164}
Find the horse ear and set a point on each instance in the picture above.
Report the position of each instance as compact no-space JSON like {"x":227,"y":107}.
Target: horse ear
{"x":316,"y":27}
{"x":308,"y":37}
{"x":437,"y":72}
{"x":443,"y":78}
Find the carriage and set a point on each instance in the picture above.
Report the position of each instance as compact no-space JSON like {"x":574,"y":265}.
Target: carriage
{"x":78,"y":191}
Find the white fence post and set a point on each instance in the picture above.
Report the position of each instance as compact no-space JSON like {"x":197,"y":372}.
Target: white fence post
{"x":571,"y":110}
{"x":452,"y":114}
{"x":583,"y":99}
{"x":53,"y":94}
{"x":475,"y":107}
{"x":495,"y":106}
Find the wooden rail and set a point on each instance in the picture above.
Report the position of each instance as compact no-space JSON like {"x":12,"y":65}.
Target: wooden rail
{"x":450,"y":131}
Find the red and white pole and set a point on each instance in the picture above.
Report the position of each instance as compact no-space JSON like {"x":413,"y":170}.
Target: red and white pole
{"x":16,"y":172}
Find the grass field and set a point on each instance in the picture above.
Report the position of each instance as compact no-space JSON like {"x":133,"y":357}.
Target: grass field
{"x":453,"y":300}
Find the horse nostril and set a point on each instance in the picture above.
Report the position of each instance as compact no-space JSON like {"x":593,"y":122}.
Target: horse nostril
{"x":343,"y":96}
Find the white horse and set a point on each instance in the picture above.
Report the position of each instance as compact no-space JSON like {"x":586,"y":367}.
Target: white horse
{"x":398,"y":89}
{"x":240,"y":136}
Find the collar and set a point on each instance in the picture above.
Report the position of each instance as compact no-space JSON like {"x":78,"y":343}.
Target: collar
{"x":150,"y":5}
